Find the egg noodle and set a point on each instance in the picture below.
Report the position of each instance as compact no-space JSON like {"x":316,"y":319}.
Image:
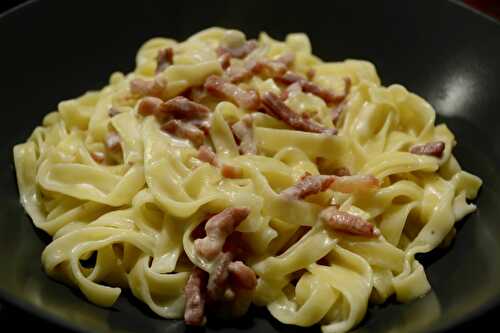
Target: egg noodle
{"x":126,"y":215}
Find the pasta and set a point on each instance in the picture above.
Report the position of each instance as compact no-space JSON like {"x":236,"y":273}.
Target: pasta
{"x":235,"y":172}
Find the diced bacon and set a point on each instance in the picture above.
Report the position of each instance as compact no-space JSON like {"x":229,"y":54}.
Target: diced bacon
{"x":218,"y":228}
{"x":222,"y":88}
{"x":149,"y":105}
{"x":225,"y":60}
{"x":199,"y":230}
{"x":113,"y":142}
{"x":184,"y":130}
{"x":238,"y":52}
{"x":202,"y":124}
{"x":238,"y":74}
{"x":275,"y":107}
{"x":308,"y":185}
{"x":164,"y":59}
{"x":231,"y":171}
{"x":348,"y":223}
{"x":434,"y":148}
{"x":98,"y":156}
{"x":327,"y":95}
{"x":244,"y":132}
{"x":113,"y":112}
{"x":342,"y":171}
{"x":242,"y":276}
{"x":195,"y":293}
{"x":218,"y":278}
{"x":206,"y":154}
{"x":358,"y":183}
{"x":272,"y":68}
{"x":182,"y":108}
{"x":310,"y":87}
{"x":289,"y":78}
{"x":236,"y":245}
{"x":142,"y":87}
{"x":226,"y":272}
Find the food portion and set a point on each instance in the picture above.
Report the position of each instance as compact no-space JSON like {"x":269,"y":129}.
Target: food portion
{"x":225,"y":171}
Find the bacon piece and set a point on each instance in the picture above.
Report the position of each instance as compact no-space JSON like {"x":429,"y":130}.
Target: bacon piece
{"x":199,"y":230}
{"x":206,"y":154}
{"x":218,"y":278}
{"x":238,"y":52}
{"x":218,"y":228}
{"x":289,"y":78}
{"x":226,"y":271}
{"x":273,"y":68}
{"x":308,"y":185}
{"x":225,"y":60}
{"x":182,"y":108}
{"x":98,"y":156}
{"x":434,"y":148}
{"x":113,"y":112}
{"x":142,"y":87}
{"x":277,"y":108}
{"x":195,"y":292}
{"x":242,"y":276}
{"x":113,"y":142}
{"x":310,"y":87}
{"x":202,"y":124}
{"x":235,"y":244}
{"x":149,"y":105}
{"x":327,"y":95}
{"x":358,"y":183}
{"x":348,"y":223}
{"x":342,"y":171}
{"x":238,"y":74}
{"x":230,"y":171}
{"x":164,"y":59}
{"x":185,"y":131}
{"x":244,"y":132}
{"x":222,"y":88}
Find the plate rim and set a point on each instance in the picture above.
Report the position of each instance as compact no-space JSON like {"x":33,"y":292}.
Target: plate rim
{"x":22,"y":305}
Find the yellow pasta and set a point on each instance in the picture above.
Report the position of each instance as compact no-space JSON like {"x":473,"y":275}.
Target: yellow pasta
{"x":126,"y":218}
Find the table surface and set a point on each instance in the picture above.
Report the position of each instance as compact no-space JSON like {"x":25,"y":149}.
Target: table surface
{"x":10,"y":315}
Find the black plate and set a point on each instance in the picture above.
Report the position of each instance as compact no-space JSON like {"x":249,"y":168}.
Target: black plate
{"x":54,"y":50}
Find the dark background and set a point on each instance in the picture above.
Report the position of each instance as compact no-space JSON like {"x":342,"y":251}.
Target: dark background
{"x":12,"y":316}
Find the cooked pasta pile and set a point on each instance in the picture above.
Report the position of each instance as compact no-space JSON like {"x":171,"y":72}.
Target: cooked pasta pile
{"x":225,"y":171}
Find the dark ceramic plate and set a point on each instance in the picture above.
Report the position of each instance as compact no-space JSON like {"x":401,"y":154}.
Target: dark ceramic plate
{"x":52,"y":50}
